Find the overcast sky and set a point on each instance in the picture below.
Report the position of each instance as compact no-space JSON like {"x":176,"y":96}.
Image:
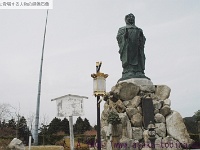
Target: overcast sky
{"x":79,"y":33}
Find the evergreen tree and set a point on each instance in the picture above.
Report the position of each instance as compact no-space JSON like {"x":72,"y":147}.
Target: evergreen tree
{"x":23,"y":130}
{"x":12,"y":123}
{"x":79,"y":126}
{"x":87,"y":125}
{"x":54,"y":126}
{"x":65,"y":126}
{"x":95,"y":127}
{"x":197,"y":115}
{"x":3,"y":124}
{"x":191,"y":125}
{"x":44,"y":133}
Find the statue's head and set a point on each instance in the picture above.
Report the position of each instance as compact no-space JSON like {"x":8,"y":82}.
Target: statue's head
{"x":130,"y":19}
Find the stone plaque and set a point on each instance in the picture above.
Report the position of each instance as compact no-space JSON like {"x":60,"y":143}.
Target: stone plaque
{"x":148,"y":111}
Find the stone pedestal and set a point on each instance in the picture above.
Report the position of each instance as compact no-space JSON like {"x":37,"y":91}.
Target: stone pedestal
{"x":125,"y":99}
{"x":138,"y":81}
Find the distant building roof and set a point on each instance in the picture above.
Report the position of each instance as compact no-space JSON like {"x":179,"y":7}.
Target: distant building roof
{"x":69,"y":96}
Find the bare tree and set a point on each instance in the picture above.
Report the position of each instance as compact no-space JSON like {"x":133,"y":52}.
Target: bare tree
{"x":45,"y":119}
{"x":5,"y":111}
{"x":17,"y":122}
{"x":17,"y":117}
{"x":44,"y":126}
{"x":30,"y":120}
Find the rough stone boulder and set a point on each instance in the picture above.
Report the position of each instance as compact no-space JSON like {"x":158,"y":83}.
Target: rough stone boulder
{"x":16,"y":144}
{"x":136,"y":120}
{"x":126,"y":144}
{"x":147,"y":88}
{"x":126,"y":125}
{"x":127,"y":103}
{"x":120,"y":106}
{"x":125,"y":91}
{"x":157,"y":104}
{"x":177,"y":129}
{"x":165,"y":110}
{"x":137,"y":133}
{"x":131,"y":111}
{"x":104,"y":131}
{"x":124,"y":118}
{"x":136,"y":101}
{"x":160,"y":129}
{"x":104,"y":115}
{"x":167,"y":102}
{"x":159,"y":118}
{"x":162,"y":92}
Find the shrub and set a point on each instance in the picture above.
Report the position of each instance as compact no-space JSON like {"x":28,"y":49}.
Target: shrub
{"x":77,"y":145}
{"x":4,"y":143}
{"x":113,"y":118}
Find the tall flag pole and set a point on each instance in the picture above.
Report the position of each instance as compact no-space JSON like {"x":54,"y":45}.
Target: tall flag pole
{"x":39,"y":90}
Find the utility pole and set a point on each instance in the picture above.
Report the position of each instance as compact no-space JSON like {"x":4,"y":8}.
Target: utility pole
{"x":39,"y":91}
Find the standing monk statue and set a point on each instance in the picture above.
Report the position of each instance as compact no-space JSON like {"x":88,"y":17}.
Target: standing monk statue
{"x":131,"y":41}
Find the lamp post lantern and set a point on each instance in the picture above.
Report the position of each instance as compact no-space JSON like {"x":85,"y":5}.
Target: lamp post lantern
{"x":99,"y":89}
{"x":152,"y":134}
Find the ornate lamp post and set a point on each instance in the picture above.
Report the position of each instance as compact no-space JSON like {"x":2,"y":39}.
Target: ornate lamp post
{"x":152,"y":134}
{"x":99,"y":89}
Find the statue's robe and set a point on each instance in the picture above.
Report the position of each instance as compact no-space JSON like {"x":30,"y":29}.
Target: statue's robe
{"x":131,"y":42}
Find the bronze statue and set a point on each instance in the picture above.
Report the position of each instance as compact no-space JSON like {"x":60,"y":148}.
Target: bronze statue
{"x":131,"y":41}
